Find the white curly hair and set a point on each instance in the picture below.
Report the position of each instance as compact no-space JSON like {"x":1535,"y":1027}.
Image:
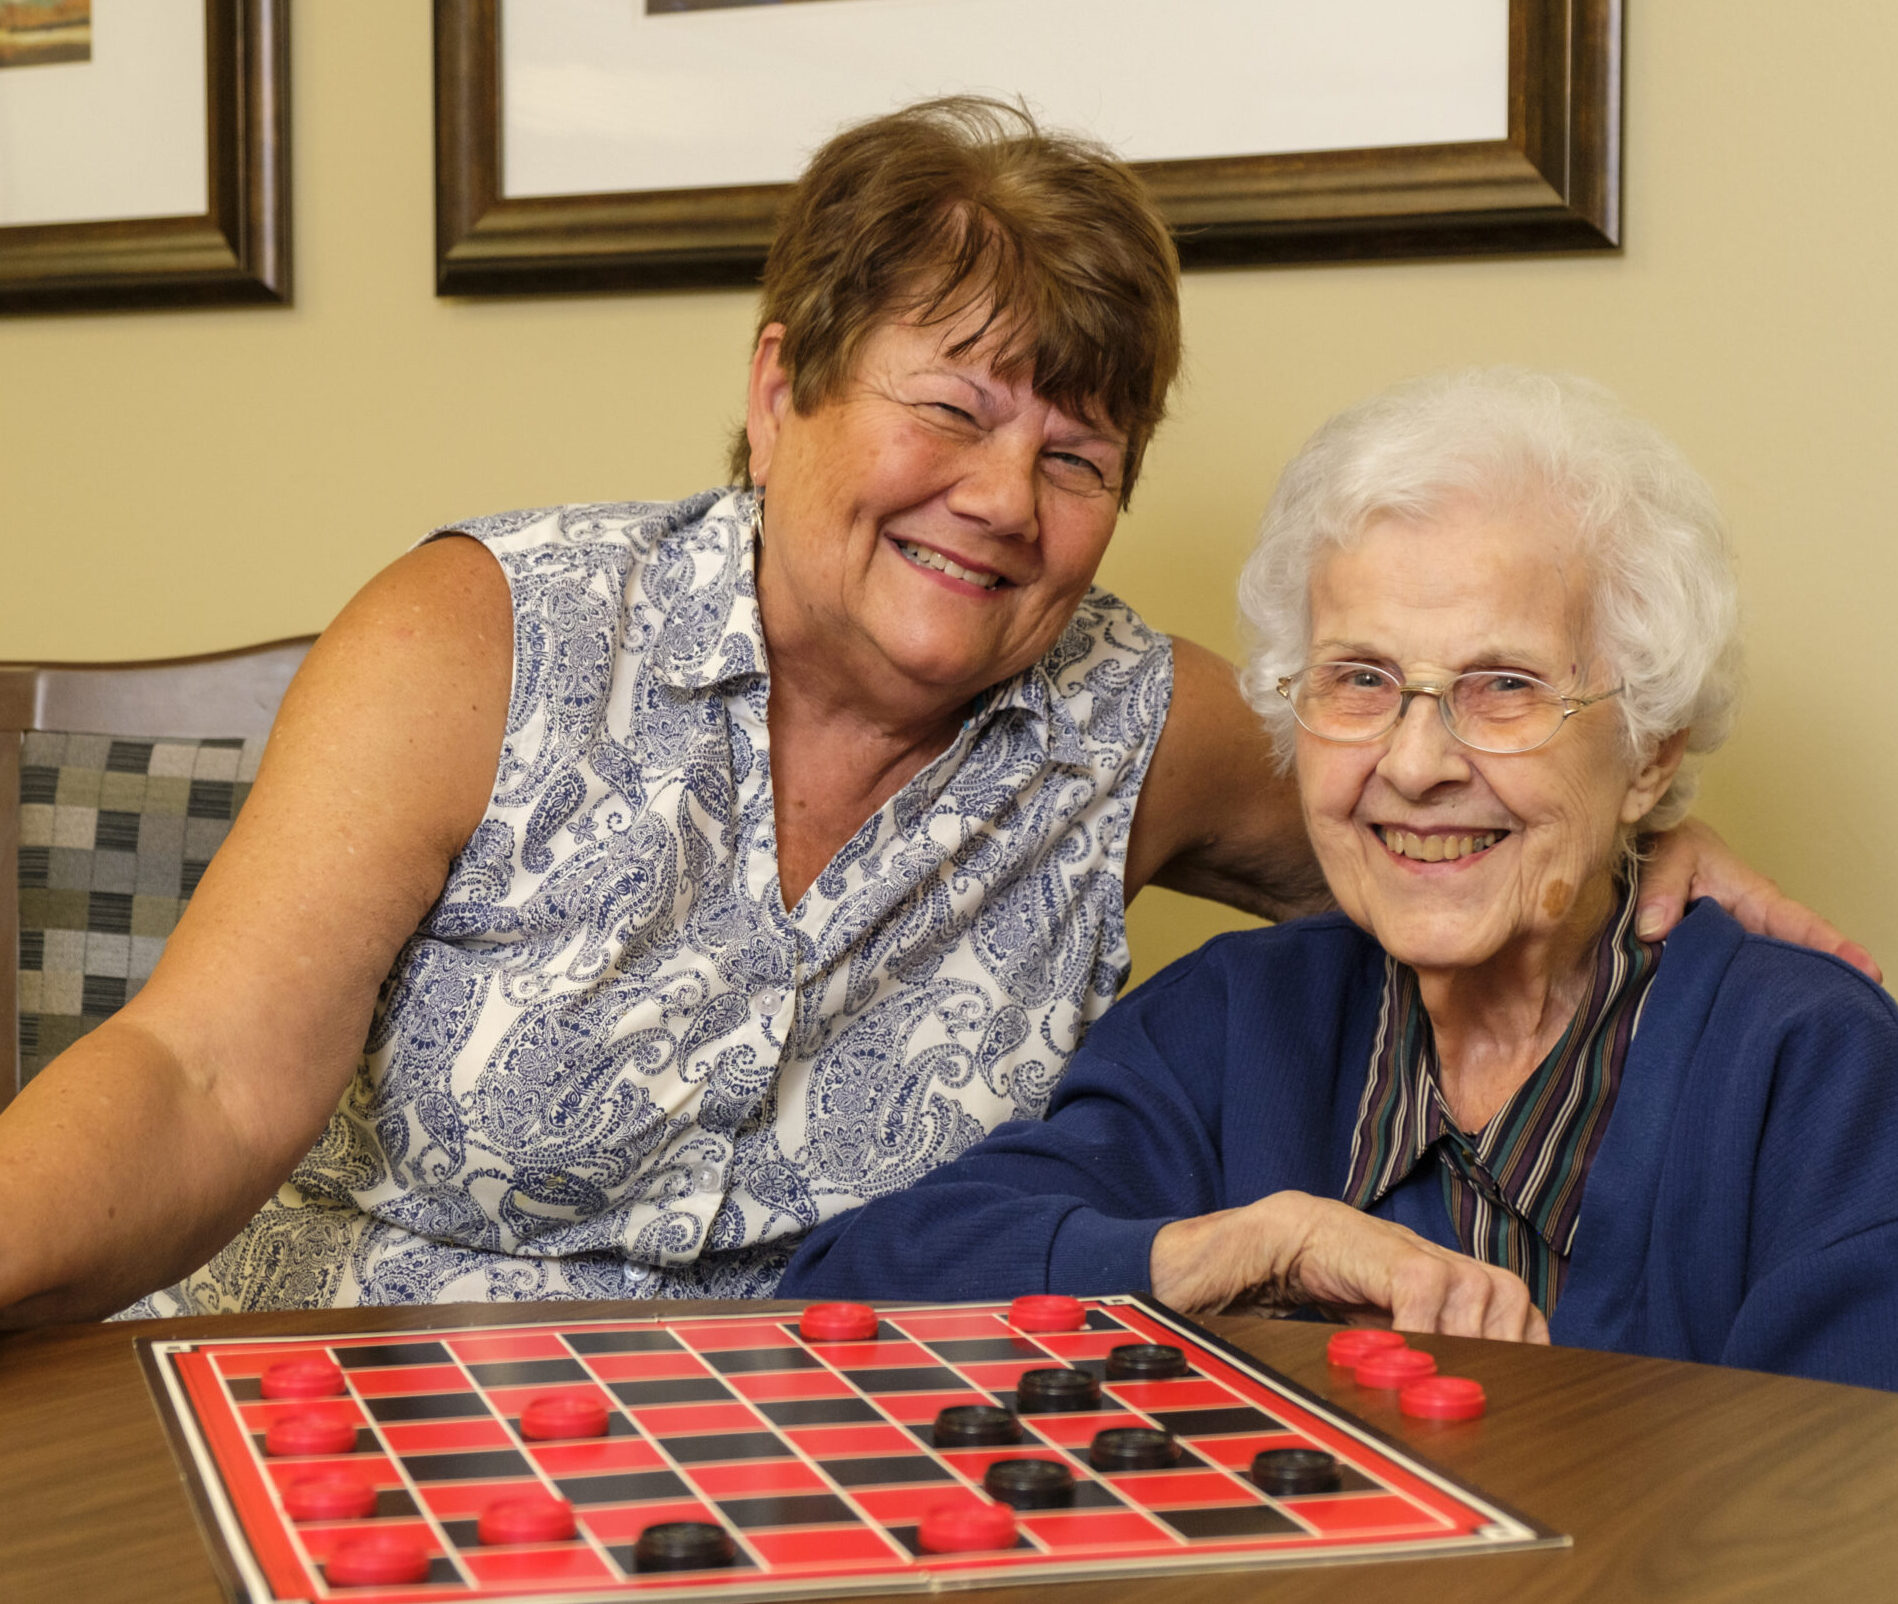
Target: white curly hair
{"x":1563,"y":452}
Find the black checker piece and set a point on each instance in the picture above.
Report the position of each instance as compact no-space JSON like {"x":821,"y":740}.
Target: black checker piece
{"x":924,"y":1431}
{"x":743,"y":1361}
{"x":906,"y":1378}
{"x":622,"y":1555}
{"x":624,"y":1487}
{"x":985,"y":1350}
{"x":718,"y":1446}
{"x":788,"y":1509}
{"x":530,"y":1373}
{"x":430,"y":1406}
{"x":1239,"y":1520}
{"x":885,"y":1470}
{"x":1217,"y":1422}
{"x":475,"y":1465}
{"x":816,"y":1411}
{"x":670,"y":1390}
{"x":623,"y":1342}
{"x":393,"y":1353}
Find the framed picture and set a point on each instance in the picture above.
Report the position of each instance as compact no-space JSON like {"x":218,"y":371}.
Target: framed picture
{"x":146,"y":148}
{"x":628,"y":144}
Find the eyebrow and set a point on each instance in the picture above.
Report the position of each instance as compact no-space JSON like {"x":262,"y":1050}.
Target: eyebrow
{"x":1487,"y":657}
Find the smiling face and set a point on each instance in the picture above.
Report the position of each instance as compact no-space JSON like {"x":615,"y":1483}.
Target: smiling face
{"x":930,"y":531}
{"x":1451,"y":857}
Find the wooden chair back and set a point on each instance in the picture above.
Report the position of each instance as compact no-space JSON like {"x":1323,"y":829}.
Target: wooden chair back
{"x":226,"y":696}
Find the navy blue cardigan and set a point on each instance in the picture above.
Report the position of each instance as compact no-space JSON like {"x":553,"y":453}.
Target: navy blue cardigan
{"x":1742,"y":1208}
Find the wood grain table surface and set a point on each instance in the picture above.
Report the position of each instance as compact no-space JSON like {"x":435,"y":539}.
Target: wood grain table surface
{"x":1676,"y":1482}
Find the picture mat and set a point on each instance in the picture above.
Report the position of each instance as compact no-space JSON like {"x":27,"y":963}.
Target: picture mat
{"x":599,"y":97}
{"x":122,"y":135}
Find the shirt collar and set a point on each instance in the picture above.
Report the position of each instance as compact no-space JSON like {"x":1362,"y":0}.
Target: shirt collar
{"x":1403,"y":1117}
{"x":713,"y":634}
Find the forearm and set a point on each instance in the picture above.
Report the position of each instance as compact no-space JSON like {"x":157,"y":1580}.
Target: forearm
{"x":120,"y":1170}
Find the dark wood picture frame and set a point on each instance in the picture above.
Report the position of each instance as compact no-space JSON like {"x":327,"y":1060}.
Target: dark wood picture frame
{"x":1554,"y":184}
{"x":238,"y":250}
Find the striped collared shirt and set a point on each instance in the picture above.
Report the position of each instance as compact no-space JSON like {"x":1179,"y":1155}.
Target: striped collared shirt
{"x":1514,"y":1188}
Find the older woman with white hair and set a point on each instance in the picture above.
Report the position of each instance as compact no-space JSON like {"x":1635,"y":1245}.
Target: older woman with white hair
{"x":1496,"y":621}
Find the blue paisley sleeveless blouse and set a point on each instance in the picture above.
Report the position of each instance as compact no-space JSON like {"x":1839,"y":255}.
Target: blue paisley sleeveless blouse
{"x":610,"y":1063}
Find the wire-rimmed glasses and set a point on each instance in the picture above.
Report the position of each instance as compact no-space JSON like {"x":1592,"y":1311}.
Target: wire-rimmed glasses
{"x":1490,"y":709}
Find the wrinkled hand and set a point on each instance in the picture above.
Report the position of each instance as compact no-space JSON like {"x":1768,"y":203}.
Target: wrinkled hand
{"x":1692,"y":861}
{"x":1290,"y":1248}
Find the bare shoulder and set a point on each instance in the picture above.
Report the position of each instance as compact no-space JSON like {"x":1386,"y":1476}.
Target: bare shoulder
{"x":1217,"y":818}
{"x":377,"y":771}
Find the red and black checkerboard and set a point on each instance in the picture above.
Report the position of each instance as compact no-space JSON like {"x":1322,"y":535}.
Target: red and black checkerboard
{"x":815,"y":1457}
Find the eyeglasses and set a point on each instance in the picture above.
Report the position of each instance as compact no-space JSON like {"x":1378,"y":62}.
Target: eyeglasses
{"x":1490,"y":709}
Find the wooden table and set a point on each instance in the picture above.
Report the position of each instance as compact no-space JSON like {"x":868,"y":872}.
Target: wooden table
{"x":1675,"y":1481}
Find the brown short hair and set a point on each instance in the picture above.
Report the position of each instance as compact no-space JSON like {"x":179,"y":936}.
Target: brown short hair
{"x":965,"y":201}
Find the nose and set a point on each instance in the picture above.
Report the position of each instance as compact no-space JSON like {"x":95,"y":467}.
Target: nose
{"x":1422,"y":754}
{"x":998,"y":485}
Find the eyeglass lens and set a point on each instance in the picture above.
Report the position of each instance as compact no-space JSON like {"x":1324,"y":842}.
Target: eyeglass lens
{"x":1498,"y":711}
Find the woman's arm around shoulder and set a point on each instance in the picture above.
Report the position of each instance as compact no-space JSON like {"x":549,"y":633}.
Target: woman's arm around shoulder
{"x":142,"y":1149}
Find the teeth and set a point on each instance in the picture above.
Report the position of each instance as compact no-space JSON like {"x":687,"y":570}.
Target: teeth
{"x":1437,"y":848}
{"x":925,"y":558}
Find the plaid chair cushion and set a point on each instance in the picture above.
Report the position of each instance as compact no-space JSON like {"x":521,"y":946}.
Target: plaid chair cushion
{"x":114,"y":835}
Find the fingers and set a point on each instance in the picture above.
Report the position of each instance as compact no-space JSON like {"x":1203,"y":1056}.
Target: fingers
{"x":1435,"y":1290}
{"x":1693,"y":861}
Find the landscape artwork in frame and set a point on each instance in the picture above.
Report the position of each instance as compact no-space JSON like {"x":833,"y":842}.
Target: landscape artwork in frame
{"x":153,"y":169}
{"x":626,"y":144}
{"x":43,"y":33}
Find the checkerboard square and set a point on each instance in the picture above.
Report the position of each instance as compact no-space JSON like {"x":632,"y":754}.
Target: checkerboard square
{"x":203,"y":836}
{"x":78,"y":789}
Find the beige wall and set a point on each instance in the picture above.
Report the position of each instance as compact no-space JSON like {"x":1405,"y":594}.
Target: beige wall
{"x":181,"y":482}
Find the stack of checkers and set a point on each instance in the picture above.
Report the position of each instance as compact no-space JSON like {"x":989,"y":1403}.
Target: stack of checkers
{"x":1382,"y":1360}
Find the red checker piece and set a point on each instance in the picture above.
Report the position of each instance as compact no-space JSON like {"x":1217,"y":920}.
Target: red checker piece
{"x":558,"y":1416}
{"x":966,"y":1525}
{"x":1044,"y":1311}
{"x":1394,"y":1368}
{"x":1443,"y":1398}
{"x":1348,"y":1348}
{"x":312,"y":1376}
{"x":531,"y":1518}
{"x":329,"y":1495}
{"x":313,"y":1431}
{"x":377,"y":1560}
{"x":838,"y":1322}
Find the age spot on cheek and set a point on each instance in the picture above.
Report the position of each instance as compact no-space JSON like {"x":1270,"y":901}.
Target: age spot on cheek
{"x":1556,"y":899}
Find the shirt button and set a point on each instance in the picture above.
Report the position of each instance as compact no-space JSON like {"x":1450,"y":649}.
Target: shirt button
{"x":708,"y":1178}
{"x":770,"y":1000}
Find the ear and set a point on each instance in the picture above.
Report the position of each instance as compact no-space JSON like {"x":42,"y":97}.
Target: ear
{"x":767,"y":400}
{"x":1652,"y":779}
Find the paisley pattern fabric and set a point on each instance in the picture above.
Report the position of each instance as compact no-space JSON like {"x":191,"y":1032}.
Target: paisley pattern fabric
{"x":610,"y":1063}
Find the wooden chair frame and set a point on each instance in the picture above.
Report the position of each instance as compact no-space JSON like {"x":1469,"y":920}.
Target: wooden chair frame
{"x":222,"y":695}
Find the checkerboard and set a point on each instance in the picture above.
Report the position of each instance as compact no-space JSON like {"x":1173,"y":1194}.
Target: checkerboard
{"x":816,"y":1457}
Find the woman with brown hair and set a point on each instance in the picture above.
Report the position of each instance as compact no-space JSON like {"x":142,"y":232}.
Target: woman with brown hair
{"x":652,"y":882}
